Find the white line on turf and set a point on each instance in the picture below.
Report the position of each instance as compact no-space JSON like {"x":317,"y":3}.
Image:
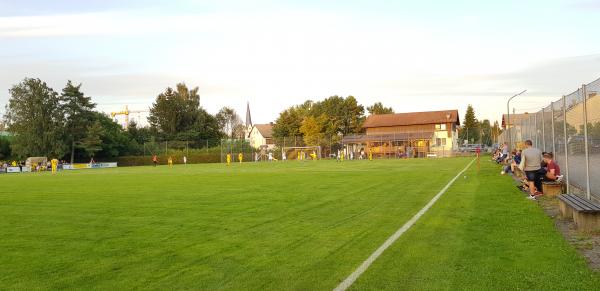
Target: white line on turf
{"x":365,"y":265}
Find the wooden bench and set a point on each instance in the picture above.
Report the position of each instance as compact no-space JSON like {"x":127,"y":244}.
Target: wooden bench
{"x":585,"y":213}
{"x":552,"y":189}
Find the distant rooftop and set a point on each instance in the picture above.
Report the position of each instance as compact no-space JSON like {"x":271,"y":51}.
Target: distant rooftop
{"x":412,"y":118}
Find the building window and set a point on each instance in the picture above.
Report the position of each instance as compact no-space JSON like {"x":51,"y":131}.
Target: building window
{"x":441,"y":126}
{"x":440,"y":142}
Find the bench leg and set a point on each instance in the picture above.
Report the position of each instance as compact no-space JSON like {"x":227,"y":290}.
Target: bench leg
{"x":566,"y":212}
{"x":552,"y":190}
{"x":587,"y":222}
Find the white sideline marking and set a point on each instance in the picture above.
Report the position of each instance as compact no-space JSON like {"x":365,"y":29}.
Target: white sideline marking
{"x":365,"y":265}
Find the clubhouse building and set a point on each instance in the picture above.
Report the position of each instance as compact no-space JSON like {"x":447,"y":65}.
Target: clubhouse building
{"x":414,"y":134}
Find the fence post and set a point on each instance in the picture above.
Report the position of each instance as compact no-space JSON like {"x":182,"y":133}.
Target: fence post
{"x":381,"y":146}
{"x":283,"y":149}
{"x":221,"y":148}
{"x":543,"y":131}
{"x":530,"y":127}
{"x":552,"y":119}
{"x":166,"y":147}
{"x":585,"y":140}
{"x":533,"y":129}
{"x":564,"y":106}
{"x":537,"y":140}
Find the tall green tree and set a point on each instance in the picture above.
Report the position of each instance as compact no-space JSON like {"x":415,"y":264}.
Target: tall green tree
{"x":92,"y":142}
{"x":36,"y":118}
{"x":470,"y":129}
{"x":5,"y":151}
{"x":344,"y":115}
{"x":311,"y":129}
{"x":205,"y":126}
{"x":138,"y":133}
{"x":290,"y":120}
{"x":486,"y":132}
{"x":378,"y":108}
{"x":115,"y":140}
{"x":496,"y":131}
{"x":78,"y":110}
{"x":176,"y":112}
{"x":229,"y":122}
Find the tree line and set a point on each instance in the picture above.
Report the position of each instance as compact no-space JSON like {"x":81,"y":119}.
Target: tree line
{"x":481,"y":132}
{"x":67,"y":125}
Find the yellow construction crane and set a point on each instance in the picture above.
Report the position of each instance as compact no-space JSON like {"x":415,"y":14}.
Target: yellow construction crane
{"x":126,"y":112}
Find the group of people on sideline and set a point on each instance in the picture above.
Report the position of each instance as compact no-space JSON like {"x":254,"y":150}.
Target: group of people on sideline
{"x":531,"y":165}
{"x":50,"y":165}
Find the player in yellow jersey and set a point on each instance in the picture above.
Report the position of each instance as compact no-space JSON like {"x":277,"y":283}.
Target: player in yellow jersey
{"x":370,"y":154}
{"x":228,"y":159}
{"x":54,"y":163}
{"x":342,"y":156}
{"x":313,"y":155}
{"x":170,"y":161}
{"x":240,"y":157}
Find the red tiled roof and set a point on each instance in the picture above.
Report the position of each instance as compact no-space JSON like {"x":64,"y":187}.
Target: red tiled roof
{"x":266,"y":130}
{"x":412,"y":118}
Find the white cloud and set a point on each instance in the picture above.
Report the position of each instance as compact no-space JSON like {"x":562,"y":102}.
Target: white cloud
{"x":278,"y":59}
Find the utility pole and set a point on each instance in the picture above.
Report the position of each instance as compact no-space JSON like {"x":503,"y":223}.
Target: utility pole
{"x":508,"y":119}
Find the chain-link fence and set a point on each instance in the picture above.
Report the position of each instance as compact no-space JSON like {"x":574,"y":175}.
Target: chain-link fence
{"x":569,"y":128}
{"x":395,"y":145}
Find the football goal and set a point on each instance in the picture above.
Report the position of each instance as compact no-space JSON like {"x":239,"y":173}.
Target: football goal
{"x":301,"y":153}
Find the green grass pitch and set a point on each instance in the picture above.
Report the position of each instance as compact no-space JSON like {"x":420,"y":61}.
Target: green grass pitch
{"x":279,"y":226}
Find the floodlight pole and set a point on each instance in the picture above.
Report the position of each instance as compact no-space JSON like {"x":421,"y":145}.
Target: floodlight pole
{"x":508,"y":119}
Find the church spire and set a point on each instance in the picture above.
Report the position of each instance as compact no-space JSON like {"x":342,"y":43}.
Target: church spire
{"x":248,"y":117}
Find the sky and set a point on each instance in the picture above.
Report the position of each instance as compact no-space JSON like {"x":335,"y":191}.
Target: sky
{"x":410,"y":55}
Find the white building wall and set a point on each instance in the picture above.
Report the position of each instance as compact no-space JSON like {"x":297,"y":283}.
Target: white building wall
{"x":256,"y":140}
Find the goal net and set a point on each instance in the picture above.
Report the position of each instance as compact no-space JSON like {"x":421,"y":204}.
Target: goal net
{"x":301,"y":153}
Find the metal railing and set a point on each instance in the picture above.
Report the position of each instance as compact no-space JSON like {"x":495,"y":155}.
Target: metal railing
{"x":570,"y":128}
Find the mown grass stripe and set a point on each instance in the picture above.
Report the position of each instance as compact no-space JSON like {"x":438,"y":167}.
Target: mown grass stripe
{"x":365,"y":265}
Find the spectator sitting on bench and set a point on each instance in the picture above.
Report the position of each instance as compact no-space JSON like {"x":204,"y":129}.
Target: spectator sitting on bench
{"x":516,"y":160}
{"x":552,"y":169}
{"x":504,"y":154}
{"x":532,"y":161}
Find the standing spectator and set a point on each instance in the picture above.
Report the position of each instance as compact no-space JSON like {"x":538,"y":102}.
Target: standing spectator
{"x":154,"y":160}
{"x":532,"y":160}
